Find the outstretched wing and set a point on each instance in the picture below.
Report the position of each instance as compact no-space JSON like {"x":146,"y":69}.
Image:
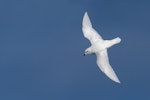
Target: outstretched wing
{"x":103,"y":64}
{"x":88,"y":31}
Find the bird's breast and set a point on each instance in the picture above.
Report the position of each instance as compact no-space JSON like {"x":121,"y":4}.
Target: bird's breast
{"x":98,"y":46}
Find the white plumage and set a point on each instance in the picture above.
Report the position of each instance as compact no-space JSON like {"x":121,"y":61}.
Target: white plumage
{"x":99,"y":47}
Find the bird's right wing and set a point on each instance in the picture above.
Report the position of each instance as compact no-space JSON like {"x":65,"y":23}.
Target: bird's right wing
{"x":88,"y":30}
{"x":103,"y":64}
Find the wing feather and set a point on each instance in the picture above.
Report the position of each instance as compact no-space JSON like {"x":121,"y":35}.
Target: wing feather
{"x":88,"y":31}
{"x":103,"y":63}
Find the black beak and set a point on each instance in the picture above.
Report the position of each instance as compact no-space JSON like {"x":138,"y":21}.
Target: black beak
{"x":84,"y":54}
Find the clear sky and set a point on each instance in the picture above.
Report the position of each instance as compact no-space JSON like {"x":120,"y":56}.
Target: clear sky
{"x":42,"y":46}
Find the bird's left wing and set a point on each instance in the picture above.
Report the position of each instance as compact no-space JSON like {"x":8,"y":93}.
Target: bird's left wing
{"x":103,"y":64}
{"x":88,"y":31}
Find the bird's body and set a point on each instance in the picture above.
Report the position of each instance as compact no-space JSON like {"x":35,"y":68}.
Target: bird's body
{"x":99,"y":47}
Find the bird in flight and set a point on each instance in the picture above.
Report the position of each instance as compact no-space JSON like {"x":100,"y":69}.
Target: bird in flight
{"x":99,"y":47}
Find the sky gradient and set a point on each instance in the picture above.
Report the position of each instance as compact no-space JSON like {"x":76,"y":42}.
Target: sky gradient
{"x":42,"y":46}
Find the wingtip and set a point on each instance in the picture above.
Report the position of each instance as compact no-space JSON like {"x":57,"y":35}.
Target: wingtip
{"x":116,"y":80}
{"x":85,"y":14}
{"x":86,"y":20}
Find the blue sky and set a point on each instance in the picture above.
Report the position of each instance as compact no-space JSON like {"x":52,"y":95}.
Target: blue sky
{"x":42,"y":45}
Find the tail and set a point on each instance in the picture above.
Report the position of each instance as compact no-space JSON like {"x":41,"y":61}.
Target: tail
{"x":112,"y":42}
{"x":116,"y":40}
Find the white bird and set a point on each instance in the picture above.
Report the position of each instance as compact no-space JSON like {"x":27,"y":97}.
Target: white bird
{"x":99,"y":47}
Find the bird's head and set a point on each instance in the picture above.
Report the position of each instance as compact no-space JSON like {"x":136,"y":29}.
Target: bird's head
{"x":88,"y":51}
